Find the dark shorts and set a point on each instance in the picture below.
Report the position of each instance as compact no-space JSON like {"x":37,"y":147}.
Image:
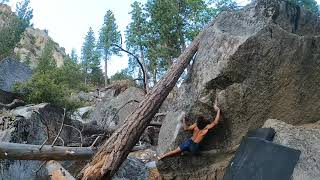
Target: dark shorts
{"x":189,"y":146}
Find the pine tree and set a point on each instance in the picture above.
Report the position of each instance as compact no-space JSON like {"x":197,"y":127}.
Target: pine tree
{"x":4,"y":1}
{"x":96,"y":74}
{"x":69,"y":75}
{"x":88,"y":53}
{"x":46,"y":62}
{"x":109,"y":35}
{"x":136,"y":38}
{"x":74,"y":56}
{"x":24,"y":12}
{"x":171,"y":25}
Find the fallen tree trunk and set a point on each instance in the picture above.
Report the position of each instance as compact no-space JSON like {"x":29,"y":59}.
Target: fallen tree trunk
{"x":16,"y":151}
{"x":57,"y":172}
{"x":115,"y":149}
{"x":15,"y":103}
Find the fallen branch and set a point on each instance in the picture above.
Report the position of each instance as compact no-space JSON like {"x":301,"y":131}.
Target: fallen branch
{"x":60,"y":130}
{"x":15,"y":103}
{"x":14,"y":151}
{"x":95,"y":141}
{"x":57,"y":172}
{"x":160,"y":114}
{"x":155,"y":124}
{"x":80,"y":134}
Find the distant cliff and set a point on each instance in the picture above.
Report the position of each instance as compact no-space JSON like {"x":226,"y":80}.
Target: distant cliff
{"x":32,"y":41}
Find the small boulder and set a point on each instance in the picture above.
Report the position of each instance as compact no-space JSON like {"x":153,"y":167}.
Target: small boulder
{"x":131,"y":169}
{"x":110,"y":113}
{"x":11,"y":72}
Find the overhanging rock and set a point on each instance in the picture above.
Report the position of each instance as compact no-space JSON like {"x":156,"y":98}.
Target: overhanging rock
{"x":262,"y":62}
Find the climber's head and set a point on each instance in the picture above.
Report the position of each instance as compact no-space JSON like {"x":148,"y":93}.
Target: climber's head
{"x":202,"y":122}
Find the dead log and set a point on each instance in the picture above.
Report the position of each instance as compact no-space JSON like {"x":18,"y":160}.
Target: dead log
{"x":15,"y":103}
{"x":57,"y":172}
{"x":114,"y":151}
{"x":16,"y":151}
{"x":156,"y":124}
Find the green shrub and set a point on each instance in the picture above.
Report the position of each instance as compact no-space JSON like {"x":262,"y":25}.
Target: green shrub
{"x":51,"y":84}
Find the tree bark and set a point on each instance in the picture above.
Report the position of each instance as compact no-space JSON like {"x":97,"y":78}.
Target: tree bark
{"x":146,"y":80}
{"x":114,"y":151}
{"x":106,"y":79}
{"x":14,"y":151}
{"x":57,"y":172}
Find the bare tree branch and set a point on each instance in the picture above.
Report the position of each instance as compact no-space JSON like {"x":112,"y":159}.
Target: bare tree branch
{"x":15,"y":103}
{"x":61,"y":127}
{"x":81,"y":137}
{"x":95,"y":141}
{"x":138,"y":61}
{"x":44,"y":142}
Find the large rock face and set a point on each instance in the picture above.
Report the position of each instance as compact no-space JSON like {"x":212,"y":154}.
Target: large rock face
{"x":11,"y":72}
{"x":32,"y":44}
{"x":111,"y":112}
{"x":7,"y":15}
{"x":261,"y":62}
{"x":304,"y":139}
{"x":32,"y":41}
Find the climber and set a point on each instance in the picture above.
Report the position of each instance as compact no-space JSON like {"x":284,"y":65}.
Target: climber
{"x":200,"y":129}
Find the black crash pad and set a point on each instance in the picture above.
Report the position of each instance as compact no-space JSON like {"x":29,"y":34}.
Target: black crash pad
{"x":258,"y":159}
{"x":263,"y":133}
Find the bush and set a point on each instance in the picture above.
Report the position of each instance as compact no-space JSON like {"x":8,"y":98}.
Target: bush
{"x":122,"y":75}
{"x":51,"y":84}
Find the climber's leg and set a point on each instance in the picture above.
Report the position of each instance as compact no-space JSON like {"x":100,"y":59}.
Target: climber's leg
{"x":171,"y":153}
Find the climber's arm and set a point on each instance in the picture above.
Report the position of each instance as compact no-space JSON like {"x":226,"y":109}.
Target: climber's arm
{"x":186,"y":127}
{"x":190,"y":128}
{"x":216,"y":119}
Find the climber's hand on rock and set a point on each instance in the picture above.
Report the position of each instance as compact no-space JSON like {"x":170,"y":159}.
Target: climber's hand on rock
{"x":216,"y":108}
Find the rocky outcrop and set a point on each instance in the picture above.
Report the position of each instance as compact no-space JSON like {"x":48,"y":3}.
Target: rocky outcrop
{"x":260,"y":62}
{"x":82,"y":114}
{"x":32,"y":41}
{"x":11,"y":72}
{"x":304,"y":139}
{"x":7,"y":15}
{"x":32,"y":44}
{"x":111,"y":112}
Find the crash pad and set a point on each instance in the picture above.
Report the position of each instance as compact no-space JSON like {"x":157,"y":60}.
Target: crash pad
{"x":263,"y":133}
{"x":258,"y":159}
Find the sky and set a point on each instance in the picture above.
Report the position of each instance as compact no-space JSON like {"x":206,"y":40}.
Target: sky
{"x":68,"y":21}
